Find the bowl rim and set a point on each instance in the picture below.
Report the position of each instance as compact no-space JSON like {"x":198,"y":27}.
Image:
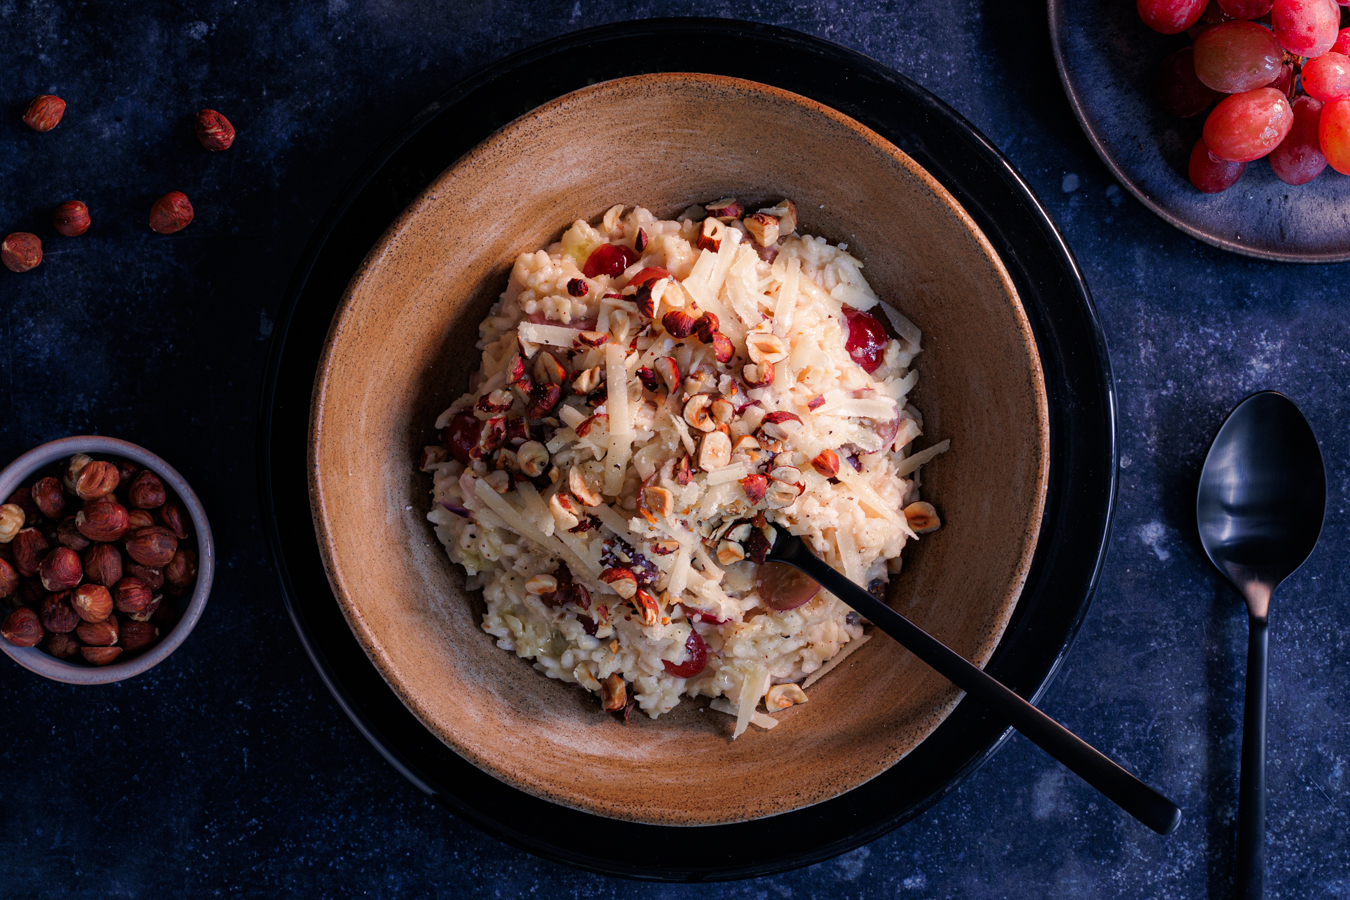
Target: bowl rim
{"x":43,"y":663}
{"x":387,"y":243}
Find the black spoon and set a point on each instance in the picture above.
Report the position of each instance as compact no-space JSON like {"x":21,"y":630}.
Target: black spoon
{"x":1122,"y":788}
{"x":1262,"y":497}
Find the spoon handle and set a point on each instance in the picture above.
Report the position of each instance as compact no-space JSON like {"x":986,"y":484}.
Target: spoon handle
{"x":1250,"y":883}
{"x":1122,"y":788}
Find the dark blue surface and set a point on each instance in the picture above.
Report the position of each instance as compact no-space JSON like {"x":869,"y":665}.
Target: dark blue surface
{"x":229,"y":770}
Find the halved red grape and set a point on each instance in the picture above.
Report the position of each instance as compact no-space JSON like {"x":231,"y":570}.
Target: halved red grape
{"x":867,"y":339}
{"x":1170,"y":16}
{"x":1299,"y":159}
{"x":1237,"y":56}
{"x":609,"y":259}
{"x":1333,"y":132}
{"x":651,"y":273}
{"x":1180,"y":92}
{"x":782,"y":587}
{"x":1306,"y":27}
{"x":1210,"y":175}
{"x":462,"y":435}
{"x":1249,"y":125}
{"x":1328,"y":76}
{"x":1246,"y":9}
{"x":695,"y":659}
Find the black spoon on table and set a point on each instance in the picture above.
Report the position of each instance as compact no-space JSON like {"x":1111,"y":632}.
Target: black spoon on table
{"x":1259,"y":509}
{"x":1098,"y":770}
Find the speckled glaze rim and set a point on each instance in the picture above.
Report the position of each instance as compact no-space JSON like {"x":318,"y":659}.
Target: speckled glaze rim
{"x":48,"y":666}
{"x":1071,"y":90}
{"x":387,"y":243}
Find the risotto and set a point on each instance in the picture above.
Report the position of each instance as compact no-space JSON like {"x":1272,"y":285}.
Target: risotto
{"x":652,"y":395}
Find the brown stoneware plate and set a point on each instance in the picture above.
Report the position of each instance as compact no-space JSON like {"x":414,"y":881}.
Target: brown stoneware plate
{"x":401,"y":347}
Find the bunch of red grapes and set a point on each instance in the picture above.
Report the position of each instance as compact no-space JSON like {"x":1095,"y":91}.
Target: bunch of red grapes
{"x":1280,"y":71}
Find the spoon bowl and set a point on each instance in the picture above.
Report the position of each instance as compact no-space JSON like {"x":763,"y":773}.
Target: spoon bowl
{"x":1259,"y":510}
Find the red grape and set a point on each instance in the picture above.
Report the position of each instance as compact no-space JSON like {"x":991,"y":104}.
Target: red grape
{"x":1170,"y":16}
{"x":1299,"y":159}
{"x":1342,"y":44}
{"x":1246,"y":9}
{"x":782,"y":587}
{"x":1284,"y":80}
{"x":609,"y":259}
{"x":1212,"y":175}
{"x":866,"y":339}
{"x":1249,"y":125}
{"x":1237,"y":56}
{"x":462,"y":435}
{"x":1333,"y":132}
{"x":1328,"y":76}
{"x":1179,"y":92}
{"x":696,"y":657}
{"x":1307,"y":27}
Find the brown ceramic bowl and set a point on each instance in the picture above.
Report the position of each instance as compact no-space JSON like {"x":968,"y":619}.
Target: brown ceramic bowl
{"x":400,"y":350}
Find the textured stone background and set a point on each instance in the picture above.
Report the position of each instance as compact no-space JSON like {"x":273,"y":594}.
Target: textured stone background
{"x":229,"y":771}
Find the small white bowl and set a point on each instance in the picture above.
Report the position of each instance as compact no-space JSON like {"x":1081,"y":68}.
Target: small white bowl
{"x":80,"y":672}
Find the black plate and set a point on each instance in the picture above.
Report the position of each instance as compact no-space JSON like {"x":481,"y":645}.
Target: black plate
{"x":1107,"y":58}
{"x":1082,"y":438}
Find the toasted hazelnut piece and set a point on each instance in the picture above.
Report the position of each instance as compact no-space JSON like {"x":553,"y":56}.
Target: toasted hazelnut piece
{"x":506,"y":459}
{"x":787,"y":475}
{"x":726,"y":208}
{"x":647,"y":376}
{"x":532,"y":457}
{"x":578,"y":287}
{"x":706,"y":326}
{"x":494,"y":402}
{"x":585,"y":677}
{"x":779,"y":426}
{"x":500,"y":481}
{"x":541,"y":584}
{"x":826,"y":463}
{"x":565,"y":513}
{"x":758,"y":374}
{"x":786,"y":213}
{"x":729,"y":552}
{"x":648,"y":296}
{"x":723,"y":349}
{"x":815,"y":402}
{"x":669,"y":371}
{"x":641,"y":241}
{"x":431,"y":457}
{"x":544,"y":398}
{"x":682,"y":473}
{"x":765,"y":347}
{"x":740,"y":533}
{"x":73,"y":469}
{"x":755,"y":487}
{"x":589,"y":340}
{"x":613,"y":693}
{"x":588,"y":380}
{"x":678,"y":323}
{"x":515,"y":370}
{"x":664,"y":547}
{"x":11,"y":521}
{"x":762,"y":227}
{"x":710,"y":235}
{"x":582,"y":487}
{"x":714,"y":452}
{"x":698,"y":412}
{"x":548,"y":370}
{"x":658,"y":500}
{"x":781,"y":696}
{"x":649,"y":612}
{"x":722,"y":411}
{"x":596,"y":423}
{"x":780,"y":495}
{"x":922,"y":517}
{"x":622,"y":580}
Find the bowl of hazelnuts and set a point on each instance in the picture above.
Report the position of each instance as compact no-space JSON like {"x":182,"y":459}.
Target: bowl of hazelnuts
{"x":105,"y":560}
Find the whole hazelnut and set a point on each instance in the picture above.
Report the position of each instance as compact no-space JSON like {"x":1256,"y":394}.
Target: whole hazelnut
{"x":29,"y":549}
{"x":31,"y":594}
{"x":181,"y":572}
{"x":153,"y":546}
{"x":131,"y":595}
{"x":58,"y":616}
{"x":97,"y":479}
{"x":9,"y":579}
{"x":153,"y":578}
{"x":21,"y":251}
{"x":170,"y":213}
{"x":67,"y":535}
{"x":23,"y":498}
{"x":22,"y":628}
{"x":49,"y":496}
{"x":44,"y":112}
{"x":71,"y":218}
{"x":62,"y":646}
{"x":92,"y":602}
{"x":165,"y":614}
{"x":146,"y":491}
{"x":214,"y":130}
{"x":98,"y":634}
{"x":172,"y":516}
{"x":61,"y":570}
{"x":11,"y":521}
{"x":103,"y":565}
{"x":137,"y":636}
{"x":74,"y":466}
{"x":103,"y":519}
{"x":127,"y":469}
{"x":138,"y":519}
{"x":100,"y":656}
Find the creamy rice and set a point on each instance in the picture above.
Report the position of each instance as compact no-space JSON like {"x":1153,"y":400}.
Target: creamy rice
{"x":651,"y":394}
